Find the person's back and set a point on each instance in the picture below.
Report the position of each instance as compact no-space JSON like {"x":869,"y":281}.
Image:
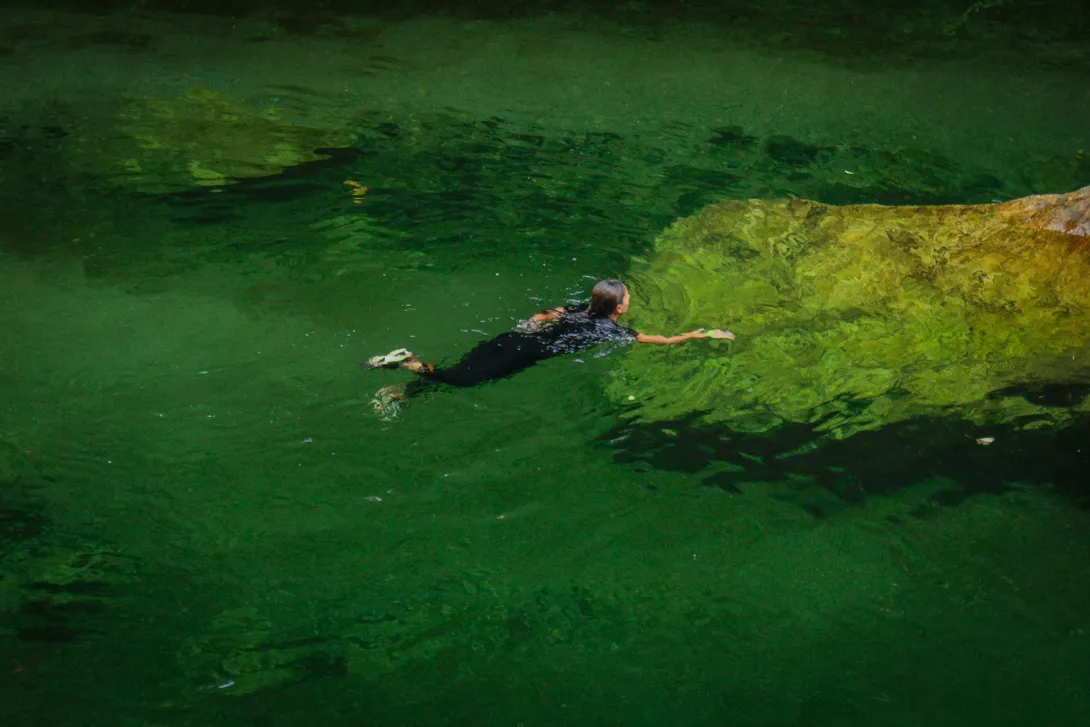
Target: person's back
{"x":575,"y":330}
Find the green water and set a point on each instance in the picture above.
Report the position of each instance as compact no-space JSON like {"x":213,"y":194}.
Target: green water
{"x":202,"y":520}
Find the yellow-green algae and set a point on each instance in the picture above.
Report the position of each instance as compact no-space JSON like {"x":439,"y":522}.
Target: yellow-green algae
{"x":207,"y":138}
{"x":853,"y":317}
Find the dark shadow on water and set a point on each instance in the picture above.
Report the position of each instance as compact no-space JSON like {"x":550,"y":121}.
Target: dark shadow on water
{"x":855,"y":34}
{"x":444,"y":183}
{"x":1064,"y":394}
{"x":295,"y":183}
{"x":57,"y":587}
{"x":460,"y":187}
{"x":867,"y":464}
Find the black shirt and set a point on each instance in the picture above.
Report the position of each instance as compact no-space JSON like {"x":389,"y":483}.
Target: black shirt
{"x":575,"y":331}
{"x":508,"y":353}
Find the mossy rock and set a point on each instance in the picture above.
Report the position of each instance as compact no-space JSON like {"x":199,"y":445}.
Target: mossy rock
{"x":853,"y":317}
{"x":209,"y":139}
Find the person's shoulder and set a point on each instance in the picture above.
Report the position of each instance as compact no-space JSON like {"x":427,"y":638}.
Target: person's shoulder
{"x":615,"y":331}
{"x":575,"y":308}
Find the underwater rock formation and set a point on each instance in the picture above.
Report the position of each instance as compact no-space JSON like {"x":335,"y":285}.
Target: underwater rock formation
{"x":209,"y":139}
{"x":849,"y":318}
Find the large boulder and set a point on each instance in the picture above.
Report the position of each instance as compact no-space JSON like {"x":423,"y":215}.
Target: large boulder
{"x":853,"y":317}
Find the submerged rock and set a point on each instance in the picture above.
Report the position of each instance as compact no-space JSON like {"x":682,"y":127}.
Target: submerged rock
{"x":853,"y":317}
{"x":209,"y":139}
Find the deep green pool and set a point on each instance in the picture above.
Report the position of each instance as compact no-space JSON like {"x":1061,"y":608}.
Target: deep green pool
{"x":202,"y":520}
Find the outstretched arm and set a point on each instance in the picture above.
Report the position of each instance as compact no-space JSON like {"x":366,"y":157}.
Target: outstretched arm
{"x":680,"y":338}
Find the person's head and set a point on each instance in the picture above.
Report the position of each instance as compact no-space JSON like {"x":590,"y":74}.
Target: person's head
{"x":609,"y":297}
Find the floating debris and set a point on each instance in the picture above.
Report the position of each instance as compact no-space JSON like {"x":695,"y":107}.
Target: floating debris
{"x":359,"y":191}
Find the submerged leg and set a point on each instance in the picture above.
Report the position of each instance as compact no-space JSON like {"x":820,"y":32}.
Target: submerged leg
{"x":497,"y":358}
{"x":418,"y":367}
{"x":388,"y":401}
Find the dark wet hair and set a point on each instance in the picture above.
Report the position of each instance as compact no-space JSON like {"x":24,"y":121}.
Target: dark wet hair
{"x":604,"y":299}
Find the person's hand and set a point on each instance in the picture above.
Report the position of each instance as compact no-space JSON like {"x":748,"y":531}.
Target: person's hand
{"x":716,"y":333}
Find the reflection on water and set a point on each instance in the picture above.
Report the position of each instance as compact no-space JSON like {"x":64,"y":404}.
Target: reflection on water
{"x":201,"y":520}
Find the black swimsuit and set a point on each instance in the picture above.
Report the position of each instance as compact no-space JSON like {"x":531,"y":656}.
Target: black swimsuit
{"x":514,"y":351}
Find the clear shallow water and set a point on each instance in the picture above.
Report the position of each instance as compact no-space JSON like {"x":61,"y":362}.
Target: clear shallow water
{"x":203,"y":522}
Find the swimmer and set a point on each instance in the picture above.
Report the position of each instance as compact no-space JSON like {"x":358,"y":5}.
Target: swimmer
{"x":552,"y":332}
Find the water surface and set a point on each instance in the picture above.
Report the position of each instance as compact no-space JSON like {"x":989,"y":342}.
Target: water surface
{"x":204,"y":522}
